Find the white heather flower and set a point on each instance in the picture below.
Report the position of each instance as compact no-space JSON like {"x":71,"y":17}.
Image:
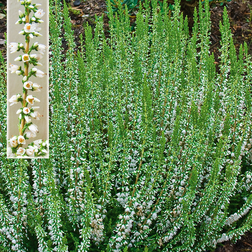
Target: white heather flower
{"x":25,"y":78}
{"x":20,"y":13}
{"x":14,"y":99}
{"x":38,"y":72}
{"x":33,"y":128}
{"x":20,"y":151}
{"x":30,"y":134}
{"x":13,"y":47}
{"x":35,"y":148}
{"x":37,"y":34}
{"x":18,"y":72}
{"x":27,"y":119}
{"x":29,"y":27}
{"x":26,"y":110}
{"x":38,"y":5}
{"x":41,"y":48}
{"x":36,"y":56}
{"x":9,"y":152}
{"x":30,"y":151}
{"x":14,"y":68}
{"x":13,"y":142}
{"x":21,"y":32}
{"x":46,"y":143}
{"x":36,"y":87}
{"x":36,"y":115}
{"x":21,"y":140}
{"x":38,"y":142}
{"x":154,"y":216}
{"x":28,"y":85}
{"x":30,"y":35}
{"x":30,"y":99}
{"x":25,"y":57}
{"x":19,"y":58}
{"x":39,"y":13}
{"x":19,"y":111}
{"x":45,"y":151}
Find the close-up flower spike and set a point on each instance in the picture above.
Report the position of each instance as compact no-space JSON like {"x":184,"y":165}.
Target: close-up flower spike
{"x":26,"y":114}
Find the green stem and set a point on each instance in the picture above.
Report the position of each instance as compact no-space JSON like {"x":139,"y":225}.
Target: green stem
{"x":26,"y":66}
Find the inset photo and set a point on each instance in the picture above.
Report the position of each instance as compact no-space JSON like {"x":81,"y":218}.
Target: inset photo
{"x":27,"y":79}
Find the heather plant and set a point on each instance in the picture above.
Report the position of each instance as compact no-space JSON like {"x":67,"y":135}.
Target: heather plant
{"x":149,"y":143}
{"x":130,"y":5}
{"x":27,"y":129}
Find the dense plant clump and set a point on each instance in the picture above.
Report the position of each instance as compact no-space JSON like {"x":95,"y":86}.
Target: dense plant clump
{"x":149,"y":144}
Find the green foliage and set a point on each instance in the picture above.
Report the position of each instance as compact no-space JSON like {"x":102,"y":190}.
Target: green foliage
{"x":131,"y":5}
{"x":149,"y":144}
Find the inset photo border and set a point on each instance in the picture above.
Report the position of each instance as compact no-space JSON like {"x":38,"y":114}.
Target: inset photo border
{"x":28,"y":79}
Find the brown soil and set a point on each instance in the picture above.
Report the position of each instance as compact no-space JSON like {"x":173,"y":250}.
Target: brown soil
{"x":241,"y":26}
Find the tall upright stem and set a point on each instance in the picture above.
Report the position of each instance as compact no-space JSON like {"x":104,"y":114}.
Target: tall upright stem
{"x":27,"y":40}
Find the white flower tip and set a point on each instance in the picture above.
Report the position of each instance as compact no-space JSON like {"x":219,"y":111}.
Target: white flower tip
{"x":18,"y":59}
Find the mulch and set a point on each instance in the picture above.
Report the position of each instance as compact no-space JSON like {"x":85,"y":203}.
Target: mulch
{"x":240,"y":16}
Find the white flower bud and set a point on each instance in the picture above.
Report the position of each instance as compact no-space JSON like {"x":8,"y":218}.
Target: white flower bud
{"x":19,"y":58}
{"x":14,"y":99}
{"x":14,"y":68}
{"x":19,"y":111}
{"x":39,"y":13}
{"x":38,"y":142}
{"x":28,"y":85}
{"x":27,"y":119}
{"x":30,"y":134}
{"x":26,"y":110}
{"x":29,"y":27}
{"x":21,"y":140}
{"x":13,"y":47}
{"x":20,"y":151}
{"x":30,"y":99}
{"x":38,"y":73}
{"x":13,"y":142}
{"x":33,"y":128}
{"x":30,"y":151}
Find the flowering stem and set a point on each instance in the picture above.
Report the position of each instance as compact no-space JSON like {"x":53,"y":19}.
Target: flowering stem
{"x":26,"y":66}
